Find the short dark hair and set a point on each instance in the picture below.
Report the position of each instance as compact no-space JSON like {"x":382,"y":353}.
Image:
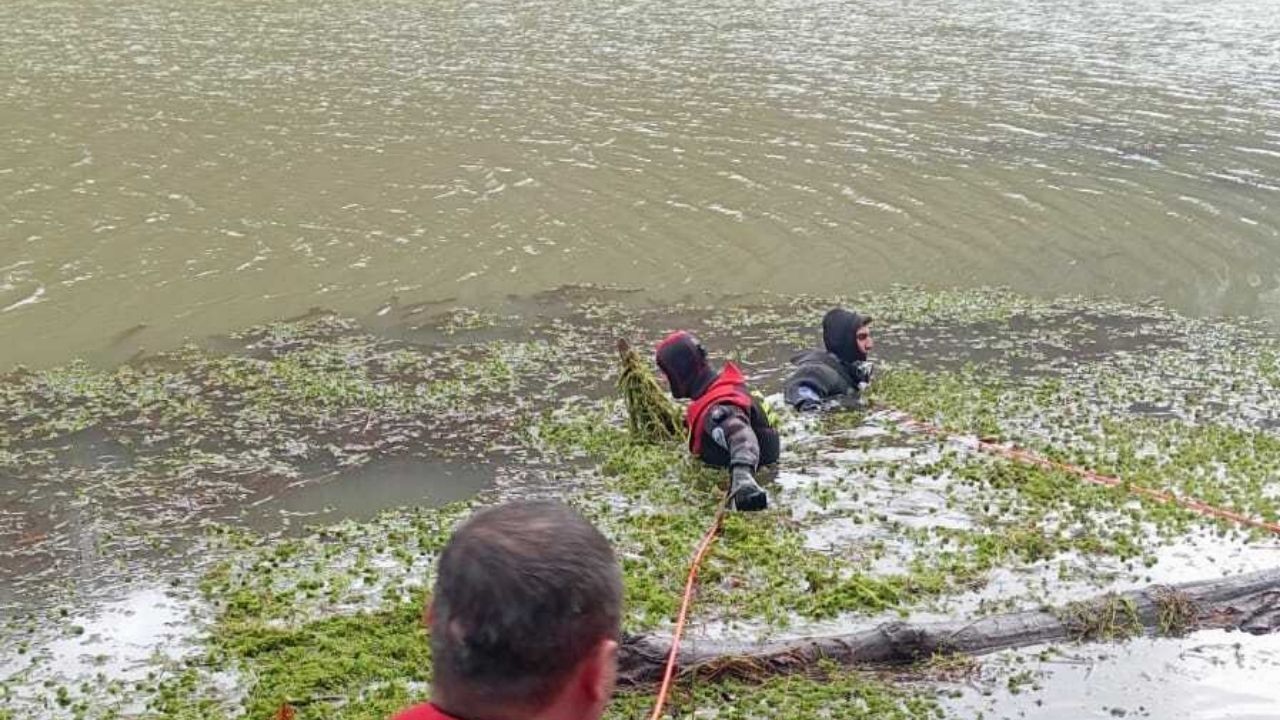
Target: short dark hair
{"x":523,"y":592}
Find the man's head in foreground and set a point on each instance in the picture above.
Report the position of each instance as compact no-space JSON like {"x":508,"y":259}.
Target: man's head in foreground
{"x":525,"y":616}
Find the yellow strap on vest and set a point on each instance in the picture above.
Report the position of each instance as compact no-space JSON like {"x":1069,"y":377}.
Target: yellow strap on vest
{"x":769,"y":413}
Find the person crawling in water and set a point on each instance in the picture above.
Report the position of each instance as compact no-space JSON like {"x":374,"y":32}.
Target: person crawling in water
{"x":727,"y":426}
{"x":837,"y":374}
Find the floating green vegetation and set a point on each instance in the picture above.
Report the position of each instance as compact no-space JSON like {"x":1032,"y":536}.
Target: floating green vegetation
{"x":1232,"y":467}
{"x":899,"y":305}
{"x":656,"y":504}
{"x":462,"y":319}
{"x":1031,"y":513}
{"x":317,"y":382}
{"x":155,"y":450}
{"x":844,"y":419}
{"x":345,"y":567}
{"x":328,"y":622}
{"x":365,"y":665}
{"x":277,"y":598}
{"x":963,"y":401}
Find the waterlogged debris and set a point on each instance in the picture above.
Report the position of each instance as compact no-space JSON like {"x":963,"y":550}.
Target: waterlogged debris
{"x":1110,"y":618}
{"x":1236,"y":603}
{"x":1178,"y":612}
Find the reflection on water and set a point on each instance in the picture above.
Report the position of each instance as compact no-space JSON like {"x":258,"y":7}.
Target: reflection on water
{"x":1214,"y":675}
{"x":125,"y":640}
{"x":84,"y":537}
{"x":389,"y":482}
{"x":117,"y":638}
{"x":171,"y":169}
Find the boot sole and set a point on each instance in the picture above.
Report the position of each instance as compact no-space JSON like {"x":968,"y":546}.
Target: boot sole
{"x":750,"y":501}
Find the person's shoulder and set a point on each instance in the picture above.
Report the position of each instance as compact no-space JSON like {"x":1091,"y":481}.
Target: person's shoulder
{"x":425,"y":711}
{"x":810,"y":356}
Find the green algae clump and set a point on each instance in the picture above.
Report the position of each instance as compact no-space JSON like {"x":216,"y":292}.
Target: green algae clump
{"x":651,"y":416}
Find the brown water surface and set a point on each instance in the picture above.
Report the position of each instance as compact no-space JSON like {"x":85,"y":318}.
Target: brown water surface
{"x":172,"y":169}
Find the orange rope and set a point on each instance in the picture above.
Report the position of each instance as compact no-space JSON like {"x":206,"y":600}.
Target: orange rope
{"x":1030,"y":458}
{"x":698,"y":556}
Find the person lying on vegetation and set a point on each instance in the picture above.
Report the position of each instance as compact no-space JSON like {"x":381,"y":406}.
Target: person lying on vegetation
{"x":727,"y":426}
{"x":837,"y":374}
{"x":525,"y":618}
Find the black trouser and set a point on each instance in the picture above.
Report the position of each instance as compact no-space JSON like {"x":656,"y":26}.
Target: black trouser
{"x":767,"y":438}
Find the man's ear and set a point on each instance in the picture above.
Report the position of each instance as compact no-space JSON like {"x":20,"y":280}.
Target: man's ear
{"x":599,"y":671}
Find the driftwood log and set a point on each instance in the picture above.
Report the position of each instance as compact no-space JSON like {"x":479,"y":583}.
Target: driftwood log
{"x":1250,"y":603}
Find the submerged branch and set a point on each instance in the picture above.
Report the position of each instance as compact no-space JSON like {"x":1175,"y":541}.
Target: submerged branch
{"x":1249,"y":602}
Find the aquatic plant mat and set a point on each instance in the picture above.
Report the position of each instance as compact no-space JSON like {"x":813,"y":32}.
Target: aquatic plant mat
{"x":251,"y":522}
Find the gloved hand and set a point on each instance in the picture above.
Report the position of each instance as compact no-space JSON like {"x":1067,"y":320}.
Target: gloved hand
{"x":865,"y":371}
{"x":808,"y":405}
{"x":744,"y":493}
{"x":807,"y":399}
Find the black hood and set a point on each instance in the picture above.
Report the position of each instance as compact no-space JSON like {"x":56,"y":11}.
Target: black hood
{"x":839,"y":333}
{"x":684,"y":361}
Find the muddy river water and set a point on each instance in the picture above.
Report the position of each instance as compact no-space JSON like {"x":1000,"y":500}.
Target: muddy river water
{"x":172,"y":170}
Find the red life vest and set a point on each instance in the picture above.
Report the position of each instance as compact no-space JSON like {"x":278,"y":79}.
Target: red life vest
{"x":425,"y":711}
{"x":729,"y":387}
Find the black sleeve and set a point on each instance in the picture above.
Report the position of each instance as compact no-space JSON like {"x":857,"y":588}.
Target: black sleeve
{"x":822,"y":379}
{"x":793,"y":395}
{"x":730,"y":428}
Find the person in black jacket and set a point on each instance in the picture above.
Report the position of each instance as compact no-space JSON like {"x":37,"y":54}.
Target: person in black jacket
{"x":727,"y":426}
{"x":840,"y":372}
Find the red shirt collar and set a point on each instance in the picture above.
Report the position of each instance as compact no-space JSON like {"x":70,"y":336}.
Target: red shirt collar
{"x":425,"y":711}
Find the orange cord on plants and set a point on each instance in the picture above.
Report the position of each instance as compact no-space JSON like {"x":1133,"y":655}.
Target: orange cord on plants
{"x":698,"y":557}
{"x":1030,"y":458}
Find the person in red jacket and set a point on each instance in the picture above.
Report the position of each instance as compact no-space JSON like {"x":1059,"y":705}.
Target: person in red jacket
{"x":525,"y":618}
{"x":727,"y":426}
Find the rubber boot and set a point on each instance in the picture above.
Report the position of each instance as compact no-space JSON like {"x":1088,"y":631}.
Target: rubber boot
{"x":745,"y":494}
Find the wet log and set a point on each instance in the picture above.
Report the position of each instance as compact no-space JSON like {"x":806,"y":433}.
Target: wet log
{"x":1249,"y":603}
